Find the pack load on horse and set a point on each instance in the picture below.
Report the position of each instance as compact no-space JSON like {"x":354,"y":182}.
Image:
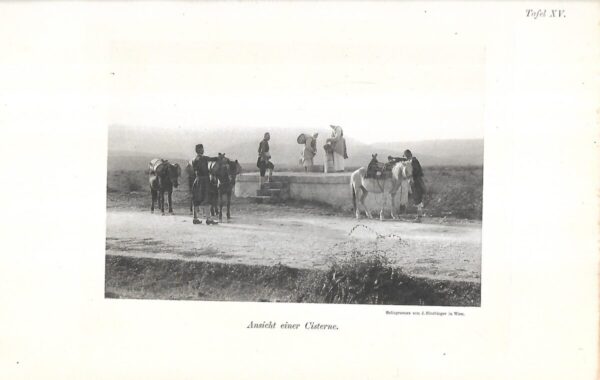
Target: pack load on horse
{"x":379,"y":170}
{"x":381,"y":178}
{"x":164,"y":176}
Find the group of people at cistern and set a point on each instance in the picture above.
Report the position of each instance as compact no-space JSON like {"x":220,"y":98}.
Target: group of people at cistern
{"x":212,"y":178}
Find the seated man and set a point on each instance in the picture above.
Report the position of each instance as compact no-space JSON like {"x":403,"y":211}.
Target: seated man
{"x":264,"y":160}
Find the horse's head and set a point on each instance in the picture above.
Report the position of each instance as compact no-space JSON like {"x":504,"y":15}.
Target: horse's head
{"x":374,"y":158}
{"x":174,"y":172}
{"x":407,"y":169}
{"x":226,"y":169}
{"x":219,"y":169}
{"x":234,"y":168}
{"x":402,"y":170}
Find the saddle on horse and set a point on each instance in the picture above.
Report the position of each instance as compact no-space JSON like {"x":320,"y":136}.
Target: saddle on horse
{"x":156,"y":165}
{"x":379,"y":170}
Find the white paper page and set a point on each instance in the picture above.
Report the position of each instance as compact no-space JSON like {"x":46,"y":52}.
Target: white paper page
{"x":70,"y":70}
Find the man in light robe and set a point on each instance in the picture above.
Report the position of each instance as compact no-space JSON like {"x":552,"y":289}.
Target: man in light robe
{"x":338,"y":144}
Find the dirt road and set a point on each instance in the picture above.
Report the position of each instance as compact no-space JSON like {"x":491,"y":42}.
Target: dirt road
{"x":270,"y":235}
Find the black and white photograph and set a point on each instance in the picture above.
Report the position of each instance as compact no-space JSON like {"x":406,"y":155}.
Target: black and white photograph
{"x":327,"y":173}
{"x":299,"y":190}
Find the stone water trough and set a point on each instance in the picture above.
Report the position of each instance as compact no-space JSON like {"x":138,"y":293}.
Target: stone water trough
{"x":328,"y":188}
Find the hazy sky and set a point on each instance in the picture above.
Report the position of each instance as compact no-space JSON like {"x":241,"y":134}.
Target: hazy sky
{"x":395,"y":73}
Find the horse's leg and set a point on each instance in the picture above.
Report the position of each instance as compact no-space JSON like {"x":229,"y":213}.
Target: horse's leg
{"x":402,"y":208}
{"x":394,"y":215}
{"x":196,"y":211}
{"x":161,"y":200}
{"x":229,"y":204}
{"x":213,"y":204}
{"x":357,"y":197}
{"x":170,"y":199}
{"x":395,"y":188}
{"x":383,"y":205}
{"x":404,"y":186}
{"x":158,"y":199}
{"x":354,"y":203}
{"x":154,"y":195}
{"x":419,"y":212}
{"x":362,"y":198}
{"x":220,"y":205}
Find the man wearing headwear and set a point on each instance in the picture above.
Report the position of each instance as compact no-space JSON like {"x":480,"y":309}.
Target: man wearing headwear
{"x":338,"y":144}
{"x":417,"y":184}
{"x":200,"y":186}
{"x":264,"y":158}
{"x":309,"y":151}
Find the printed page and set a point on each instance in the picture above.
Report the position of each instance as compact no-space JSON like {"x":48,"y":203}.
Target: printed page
{"x":257,"y":190}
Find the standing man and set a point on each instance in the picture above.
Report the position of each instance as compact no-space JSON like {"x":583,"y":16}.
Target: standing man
{"x":417,"y":184}
{"x":263,"y":161}
{"x":338,"y":144}
{"x":201,"y":183}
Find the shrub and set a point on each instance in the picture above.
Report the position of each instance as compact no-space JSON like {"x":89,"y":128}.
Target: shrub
{"x":361,"y":277}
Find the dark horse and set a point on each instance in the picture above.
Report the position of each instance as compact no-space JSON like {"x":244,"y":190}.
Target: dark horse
{"x":163,"y":177}
{"x":212,"y":196}
{"x":223,"y":173}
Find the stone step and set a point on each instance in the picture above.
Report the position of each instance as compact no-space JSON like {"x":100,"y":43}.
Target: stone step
{"x":268,"y":192}
{"x":273,"y":185}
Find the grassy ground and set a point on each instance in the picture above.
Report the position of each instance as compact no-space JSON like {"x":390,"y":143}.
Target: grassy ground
{"x":454,"y":191}
{"x":369,"y":282}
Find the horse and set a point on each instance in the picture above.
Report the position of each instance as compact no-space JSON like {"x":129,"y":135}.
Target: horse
{"x":164,"y":176}
{"x":399,"y":180}
{"x":223,"y":174}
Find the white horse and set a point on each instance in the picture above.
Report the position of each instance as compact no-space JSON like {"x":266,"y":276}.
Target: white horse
{"x":399,"y":181}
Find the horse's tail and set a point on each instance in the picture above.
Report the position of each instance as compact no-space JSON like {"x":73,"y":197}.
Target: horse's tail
{"x":353,"y":189}
{"x":356,"y":179}
{"x":153,"y":182}
{"x":353,"y":198}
